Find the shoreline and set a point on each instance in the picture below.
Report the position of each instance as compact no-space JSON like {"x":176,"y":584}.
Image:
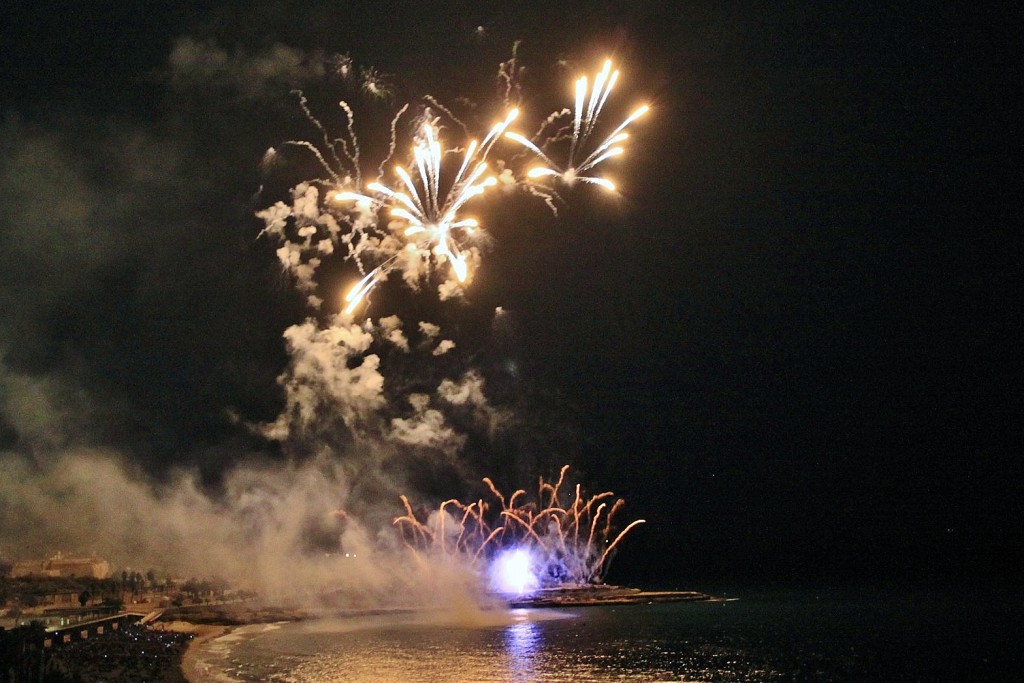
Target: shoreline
{"x":189,"y":665}
{"x":589,"y":596}
{"x":208,"y":623}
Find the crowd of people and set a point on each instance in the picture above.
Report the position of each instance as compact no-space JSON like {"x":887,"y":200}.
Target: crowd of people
{"x":134,"y":653}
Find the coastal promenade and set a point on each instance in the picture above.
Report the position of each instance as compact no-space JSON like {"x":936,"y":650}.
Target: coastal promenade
{"x":59,"y":636}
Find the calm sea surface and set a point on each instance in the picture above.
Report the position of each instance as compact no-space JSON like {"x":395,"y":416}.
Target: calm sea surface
{"x":791,"y":636}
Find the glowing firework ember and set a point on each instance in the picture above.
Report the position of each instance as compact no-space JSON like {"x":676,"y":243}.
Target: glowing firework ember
{"x":524,"y":545}
{"x":416,"y":223}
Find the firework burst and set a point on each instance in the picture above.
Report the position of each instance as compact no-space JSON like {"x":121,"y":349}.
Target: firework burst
{"x":430,"y":214}
{"x":415,"y":222}
{"x":581,"y":159}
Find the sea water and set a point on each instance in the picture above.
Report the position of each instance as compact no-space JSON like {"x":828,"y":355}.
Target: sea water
{"x":777,"y":636}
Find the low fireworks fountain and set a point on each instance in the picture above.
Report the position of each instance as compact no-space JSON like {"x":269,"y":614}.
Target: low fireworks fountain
{"x":523,"y":545}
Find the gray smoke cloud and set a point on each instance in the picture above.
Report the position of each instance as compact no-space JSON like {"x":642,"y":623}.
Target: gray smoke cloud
{"x":78,"y":198}
{"x":257,"y":532}
{"x":114,"y":227}
{"x":202,"y":63}
{"x":120,"y":246}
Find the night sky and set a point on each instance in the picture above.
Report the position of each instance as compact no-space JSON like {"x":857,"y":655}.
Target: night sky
{"x":788,"y":343}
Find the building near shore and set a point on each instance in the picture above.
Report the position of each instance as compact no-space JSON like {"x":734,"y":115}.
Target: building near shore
{"x":62,"y":567}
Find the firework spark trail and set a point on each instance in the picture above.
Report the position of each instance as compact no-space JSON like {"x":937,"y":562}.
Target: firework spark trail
{"x":351,"y":153}
{"x":319,"y":157}
{"x":393,"y":144}
{"x":448,"y":112}
{"x":510,"y":73}
{"x":565,"y":555}
{"x":304,"y":105}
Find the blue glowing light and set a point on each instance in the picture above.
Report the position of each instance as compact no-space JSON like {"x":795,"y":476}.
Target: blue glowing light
{"x":512,"y":572}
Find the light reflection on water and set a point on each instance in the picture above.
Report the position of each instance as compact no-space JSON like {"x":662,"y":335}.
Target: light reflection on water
{"x":522,"y":642}
{"x":590,"y":645}
{"x":781,"y":639}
